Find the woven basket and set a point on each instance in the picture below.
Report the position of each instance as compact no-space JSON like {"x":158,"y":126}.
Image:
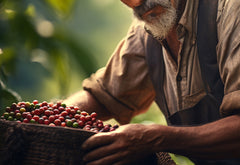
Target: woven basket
{"x":32,"y":144}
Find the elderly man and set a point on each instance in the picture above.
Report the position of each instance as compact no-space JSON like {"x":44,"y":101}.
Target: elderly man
{"x":185,"y":55}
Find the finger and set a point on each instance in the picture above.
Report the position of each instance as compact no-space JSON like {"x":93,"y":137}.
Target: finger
{"x":133,"y":3}
{"x":102,"y":152}
{"x":109,"y":160}
{"x":97,"y":140}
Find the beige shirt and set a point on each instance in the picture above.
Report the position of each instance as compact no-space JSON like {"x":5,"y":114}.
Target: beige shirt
{"x":124,"y":86}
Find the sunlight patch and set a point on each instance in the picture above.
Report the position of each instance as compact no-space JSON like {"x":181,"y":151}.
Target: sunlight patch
{"x":45,"y":28}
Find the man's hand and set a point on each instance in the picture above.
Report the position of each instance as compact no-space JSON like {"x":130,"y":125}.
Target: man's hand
{"x":127,"y":144}
{"x":134,"y":141}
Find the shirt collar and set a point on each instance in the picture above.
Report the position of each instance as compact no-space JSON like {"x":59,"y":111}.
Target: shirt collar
{"x":188,"y":20}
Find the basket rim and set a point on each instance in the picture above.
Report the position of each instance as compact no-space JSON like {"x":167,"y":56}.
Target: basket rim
{"x":46,"y":126}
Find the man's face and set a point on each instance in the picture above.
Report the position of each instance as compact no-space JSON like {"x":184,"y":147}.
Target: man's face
{"x":159,"y":16}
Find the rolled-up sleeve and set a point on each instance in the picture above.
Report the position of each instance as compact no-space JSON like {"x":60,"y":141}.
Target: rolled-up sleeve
{"x":228,"y":54}
{"x":124,"y":86}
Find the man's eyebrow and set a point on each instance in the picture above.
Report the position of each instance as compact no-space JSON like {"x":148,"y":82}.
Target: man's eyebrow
{"x":146,"y":6}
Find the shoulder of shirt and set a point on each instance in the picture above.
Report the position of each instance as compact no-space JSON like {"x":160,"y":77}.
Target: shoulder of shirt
{"x":228,"y":4}
{"x":137,"y":28}
{"x":228,"y":11}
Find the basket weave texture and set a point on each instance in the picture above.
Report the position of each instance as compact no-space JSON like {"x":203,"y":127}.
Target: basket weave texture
{"x":32,"y":144}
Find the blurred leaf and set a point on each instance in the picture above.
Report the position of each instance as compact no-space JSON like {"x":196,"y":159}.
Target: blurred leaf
{"x":181,"y":160}
{"x":64,"y":7}
{"x":10,"y":14}
{"x":7,"y":60}
{"x":7,"y":97}
{"x":30,"y":11}
{"x":41,"y":56}
{"x":61,"y":70}
{"x":30,"y":36}
{"x":2,"y":5}
{"x":80,"y":54}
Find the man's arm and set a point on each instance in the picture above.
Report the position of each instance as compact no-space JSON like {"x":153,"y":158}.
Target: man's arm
{"x":217,"y":140}
{"x":87,"y":102}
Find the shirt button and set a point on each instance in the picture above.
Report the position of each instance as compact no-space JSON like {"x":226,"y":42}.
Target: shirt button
{"x":194,"y":41}
{"x":179,"y":78}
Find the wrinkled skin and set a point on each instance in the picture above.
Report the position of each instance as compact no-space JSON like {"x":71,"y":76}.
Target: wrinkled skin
{"x":125,"y":145}
{"x":134,"y":141}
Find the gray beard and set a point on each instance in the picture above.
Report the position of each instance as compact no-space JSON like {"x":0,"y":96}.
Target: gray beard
{"x":159,"y":26}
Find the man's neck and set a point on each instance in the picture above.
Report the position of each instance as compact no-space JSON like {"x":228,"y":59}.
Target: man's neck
{"x":172,"y":38}
{"x":173,"y":43}
{"x":180,"y":6}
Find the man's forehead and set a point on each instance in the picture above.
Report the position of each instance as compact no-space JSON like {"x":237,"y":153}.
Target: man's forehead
{"x":164,"y":3}
{"x":136,"y":3}
{"x":133,"y":3}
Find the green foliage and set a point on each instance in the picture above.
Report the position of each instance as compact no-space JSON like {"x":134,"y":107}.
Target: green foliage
{"x":181,"y":160}
{"x":62,"y":7}
{"x":34,"y":46}
{"x":7,"y":96}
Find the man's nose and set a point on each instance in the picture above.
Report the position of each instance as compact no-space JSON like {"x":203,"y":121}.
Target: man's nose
{"x":133,"y":3}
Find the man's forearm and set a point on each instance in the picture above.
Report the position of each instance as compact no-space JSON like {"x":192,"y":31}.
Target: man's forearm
{"x":220,"y":139}
{"x":88,"y":103}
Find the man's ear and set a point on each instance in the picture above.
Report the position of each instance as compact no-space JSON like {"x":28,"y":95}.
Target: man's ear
{"x":133,"y":3}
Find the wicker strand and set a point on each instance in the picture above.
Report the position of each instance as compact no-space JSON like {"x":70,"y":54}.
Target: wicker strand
{"x":14,"y":145}
{"x":31,"y":144}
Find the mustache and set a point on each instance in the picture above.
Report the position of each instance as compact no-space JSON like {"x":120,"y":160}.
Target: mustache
{"x":148,"y":5}
{"x":160,"y":27}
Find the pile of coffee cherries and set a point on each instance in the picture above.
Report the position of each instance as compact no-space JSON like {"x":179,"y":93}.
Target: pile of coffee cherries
{"x":55,"y":115}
